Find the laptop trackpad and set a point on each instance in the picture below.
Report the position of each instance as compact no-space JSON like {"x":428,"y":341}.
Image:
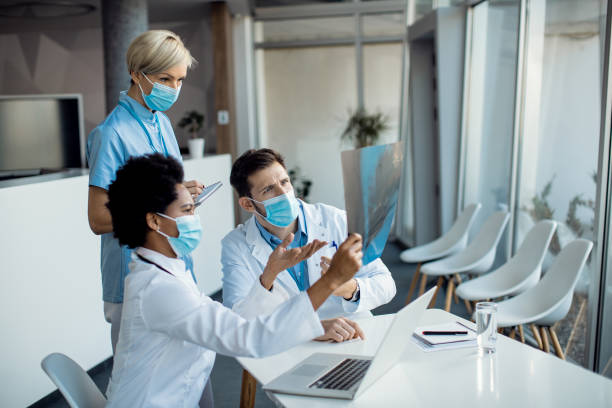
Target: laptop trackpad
{"x":308,"y":370}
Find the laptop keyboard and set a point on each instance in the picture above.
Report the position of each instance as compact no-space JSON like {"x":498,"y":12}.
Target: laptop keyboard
{"x":343,"y":376}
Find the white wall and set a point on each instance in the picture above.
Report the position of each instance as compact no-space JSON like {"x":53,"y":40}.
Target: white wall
{"x":308,"y":92}
{"x":50,"y":287}
{"x":217,"y":216}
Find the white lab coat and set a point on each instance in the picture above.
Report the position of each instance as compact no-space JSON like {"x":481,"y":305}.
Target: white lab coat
{"x":244,"y":255}
{"x":170,"y":333}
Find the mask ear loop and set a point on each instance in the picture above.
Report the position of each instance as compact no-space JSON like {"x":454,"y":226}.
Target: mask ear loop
{"x":161,"y":232}
{"x":257,"y":212}
{"x":147,"y":78}
{"x":140,"y":87}
{"x":166,"y":87}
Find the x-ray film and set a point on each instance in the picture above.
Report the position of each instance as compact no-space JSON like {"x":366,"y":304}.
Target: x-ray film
{"x":371,"y":189}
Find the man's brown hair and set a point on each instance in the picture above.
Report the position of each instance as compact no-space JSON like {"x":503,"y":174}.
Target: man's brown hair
{"x":251,"y":162}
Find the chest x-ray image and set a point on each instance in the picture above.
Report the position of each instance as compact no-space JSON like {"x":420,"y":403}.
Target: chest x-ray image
{"x":371,"y":189}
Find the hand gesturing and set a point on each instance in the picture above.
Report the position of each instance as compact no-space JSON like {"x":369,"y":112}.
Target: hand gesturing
{"x":282,"y":258}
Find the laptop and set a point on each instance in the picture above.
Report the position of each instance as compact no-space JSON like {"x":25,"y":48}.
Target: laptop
{"x":347,"y":376}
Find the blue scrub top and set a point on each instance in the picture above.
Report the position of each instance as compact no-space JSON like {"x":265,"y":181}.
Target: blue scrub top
{"x":109,"y":146}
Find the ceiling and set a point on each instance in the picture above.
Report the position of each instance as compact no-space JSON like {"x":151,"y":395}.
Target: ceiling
{"x":159,"y":11}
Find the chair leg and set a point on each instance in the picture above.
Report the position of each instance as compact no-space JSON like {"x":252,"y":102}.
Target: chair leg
{"x":536,"y":335}
{"x":432,"y":303}
{"x":521,"y":334}
{"x":413,"y":282}
{"x":468,"y":306}
{"x":579,"y":317}
{"x":455,"y":292}
{"x":513,"y":333}
{"x":544,"y":339}
{"x":450,"y":288}
{"x":556,"y":345}
{"x":247,"y":391}
{"x":423,"y":283}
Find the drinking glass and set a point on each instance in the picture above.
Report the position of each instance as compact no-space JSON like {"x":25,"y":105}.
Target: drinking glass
{"x":486,"y":327}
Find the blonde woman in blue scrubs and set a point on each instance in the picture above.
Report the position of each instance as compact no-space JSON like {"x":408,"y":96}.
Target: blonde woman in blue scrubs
{"x":157,"y":61}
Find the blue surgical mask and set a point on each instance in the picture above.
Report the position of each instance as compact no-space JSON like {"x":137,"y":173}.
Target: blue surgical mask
{"x":281,"y":210}
{"x":161,"y":98}
{"x":190,"y":234}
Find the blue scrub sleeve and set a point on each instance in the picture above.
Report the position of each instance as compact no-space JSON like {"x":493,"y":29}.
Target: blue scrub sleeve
{"x":104,"y":156}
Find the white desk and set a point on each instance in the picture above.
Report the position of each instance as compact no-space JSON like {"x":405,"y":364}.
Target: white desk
{"x":517,"y":375}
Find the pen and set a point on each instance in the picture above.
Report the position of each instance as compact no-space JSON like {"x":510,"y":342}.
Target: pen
{"x":333,"y":245}
{"x":443,"y":333}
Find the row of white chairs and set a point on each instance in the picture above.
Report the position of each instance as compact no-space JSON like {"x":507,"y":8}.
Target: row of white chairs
{"x":533,"y":301}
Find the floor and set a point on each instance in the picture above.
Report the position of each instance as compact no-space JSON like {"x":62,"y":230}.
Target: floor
{"x":227,"y":373}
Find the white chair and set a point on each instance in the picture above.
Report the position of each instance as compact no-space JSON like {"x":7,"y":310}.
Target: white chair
{"x":477,"y":258}
{"x":549,"y":300}
{"x":520,"y":273}
{"x":73,"y":382}
{"x":450,"y":243}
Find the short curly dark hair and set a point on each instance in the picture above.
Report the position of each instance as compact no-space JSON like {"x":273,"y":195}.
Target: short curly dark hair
{"x":250,"y":162}
{"x":144,"y":184}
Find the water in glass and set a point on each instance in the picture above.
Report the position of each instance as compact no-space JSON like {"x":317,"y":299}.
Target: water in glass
{"x":486,"y":327}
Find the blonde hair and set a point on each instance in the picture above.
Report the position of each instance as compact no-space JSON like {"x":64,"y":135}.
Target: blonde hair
{"x":155,"y":51}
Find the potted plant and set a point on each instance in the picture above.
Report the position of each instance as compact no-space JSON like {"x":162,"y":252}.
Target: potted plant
{"x":363,"y":128}
{"x":301,"y":184}
{"x":193,"y":121}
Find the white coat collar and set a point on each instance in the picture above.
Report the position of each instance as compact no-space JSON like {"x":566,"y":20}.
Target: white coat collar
{"x":175,"y":266}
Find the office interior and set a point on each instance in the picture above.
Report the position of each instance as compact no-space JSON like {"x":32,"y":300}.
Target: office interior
{"x":506,"y":103}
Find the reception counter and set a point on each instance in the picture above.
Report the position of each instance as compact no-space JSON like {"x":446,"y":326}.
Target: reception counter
{"x":50,"y":288}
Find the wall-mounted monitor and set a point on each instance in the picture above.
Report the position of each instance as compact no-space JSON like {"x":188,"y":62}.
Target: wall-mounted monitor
{"x":40,"y":133}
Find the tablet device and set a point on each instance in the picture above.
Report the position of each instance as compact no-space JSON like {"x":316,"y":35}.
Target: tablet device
{"x":207,"y":192}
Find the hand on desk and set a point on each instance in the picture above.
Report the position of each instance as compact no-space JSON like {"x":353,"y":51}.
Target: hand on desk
{"x":340,"y":329}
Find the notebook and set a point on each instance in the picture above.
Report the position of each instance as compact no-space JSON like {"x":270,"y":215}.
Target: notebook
{"x":442,"y":342}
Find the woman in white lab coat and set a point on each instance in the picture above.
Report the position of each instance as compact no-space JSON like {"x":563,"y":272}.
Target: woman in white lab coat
{"x":169,"y":330}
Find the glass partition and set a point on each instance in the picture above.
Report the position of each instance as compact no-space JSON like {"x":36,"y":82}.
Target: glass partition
{"x":490,"y":111}
{"x":560,"y":141}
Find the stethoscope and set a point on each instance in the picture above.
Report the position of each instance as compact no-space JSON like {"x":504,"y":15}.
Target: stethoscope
{"x":142,"y":258}
{"x":150,"y":139}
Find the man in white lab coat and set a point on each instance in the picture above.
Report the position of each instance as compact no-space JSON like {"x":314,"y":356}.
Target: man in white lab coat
{"x":255,"y":256}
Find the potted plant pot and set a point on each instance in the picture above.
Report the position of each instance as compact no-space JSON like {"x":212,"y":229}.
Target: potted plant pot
{"x":193,"y":121}
{"x":196,"y":148}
